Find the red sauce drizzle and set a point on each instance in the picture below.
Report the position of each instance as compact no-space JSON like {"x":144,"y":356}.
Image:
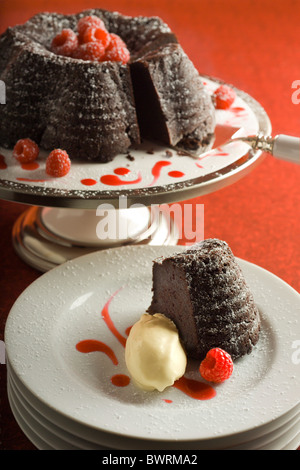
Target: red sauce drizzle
{"x":167,"y":401}
{"x":120,"y":380}
{"x":92,"y":345}
{"x":127,"y":331}
{"x":114,"y":180}
{"x":221,"y":152}
{"x":121,"y":171}
{"x":156,"y":170}
{"x":109,"y":323}
{"x":213,"y":153}
{"x":175,"y":174}
{"x":3,"y":165}
{"x":30,"y":180}
{"x":195,"y":389}
{"x":30,"y":166}
{"x":88,"y":181}
{"x":238,"y":110}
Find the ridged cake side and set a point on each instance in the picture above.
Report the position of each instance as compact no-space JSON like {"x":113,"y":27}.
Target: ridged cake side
{"x":204,"y":292}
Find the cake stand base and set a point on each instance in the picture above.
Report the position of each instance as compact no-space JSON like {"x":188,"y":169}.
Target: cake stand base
{"x":47,"y":237}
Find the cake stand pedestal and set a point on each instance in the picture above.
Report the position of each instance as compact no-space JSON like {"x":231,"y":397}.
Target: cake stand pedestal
{"x":85,"y":211}
{"x":47,"y":237}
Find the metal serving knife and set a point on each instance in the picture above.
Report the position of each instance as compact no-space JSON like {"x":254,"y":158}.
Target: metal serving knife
{"x":283,"y":147}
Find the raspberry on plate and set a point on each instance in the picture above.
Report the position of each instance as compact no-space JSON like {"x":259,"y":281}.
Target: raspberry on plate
{"x":93,"y":51}
{"x":116,"y":50}
{"x":224,"y":97}
{"x":217,"y":366}
{"x":26,"y":151}
{"x":64,"y":43}
{"x":93,"y":34}
{"x":58,"y":163}
{"x":88,"y":22}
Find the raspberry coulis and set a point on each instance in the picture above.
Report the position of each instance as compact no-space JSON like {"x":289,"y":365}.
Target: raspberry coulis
{"x":3,"y":165}
{"x":30,"y":166}
{"x":88,"y":182}
{"x":115,"y":180}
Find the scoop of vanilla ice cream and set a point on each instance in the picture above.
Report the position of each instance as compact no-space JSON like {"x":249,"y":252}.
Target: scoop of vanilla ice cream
{"x":154,"y":356}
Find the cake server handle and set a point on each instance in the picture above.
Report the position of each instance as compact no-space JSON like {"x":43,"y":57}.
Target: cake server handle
{"x":283,"y":147}
{"x":287,"y":148}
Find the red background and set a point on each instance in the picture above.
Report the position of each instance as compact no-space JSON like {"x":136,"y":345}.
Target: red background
{"x":253,"y":44}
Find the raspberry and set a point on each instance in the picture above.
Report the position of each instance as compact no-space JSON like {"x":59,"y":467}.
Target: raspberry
{"x":223,"y":96}
{"x":90,"y":51}
{"x":26,"y":151}
{"x":117,"y":50}
{"x":58,"y":163}
{"x":217,"y":366}
{"x":93,"y":34}
{"x":64,"y":43}
{"x":88,"y":22}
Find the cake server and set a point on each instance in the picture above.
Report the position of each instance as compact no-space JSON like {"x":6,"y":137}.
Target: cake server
{"x":283,"y":147}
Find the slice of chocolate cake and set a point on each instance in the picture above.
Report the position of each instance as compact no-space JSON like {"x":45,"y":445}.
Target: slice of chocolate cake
{"x":171,"y":102}
{"x":204,"y":292}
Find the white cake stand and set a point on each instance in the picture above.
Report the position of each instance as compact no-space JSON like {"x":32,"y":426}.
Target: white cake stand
{"x":66,"y":213}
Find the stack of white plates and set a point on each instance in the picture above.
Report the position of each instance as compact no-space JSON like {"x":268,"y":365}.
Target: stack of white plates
{"x":64,"y":398}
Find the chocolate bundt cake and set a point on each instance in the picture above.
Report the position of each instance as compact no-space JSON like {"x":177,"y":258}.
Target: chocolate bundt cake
{"x":203,"y":291}
{"x":88,"y":108}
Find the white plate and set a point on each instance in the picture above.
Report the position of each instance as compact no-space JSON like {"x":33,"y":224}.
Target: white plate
{"x":91,"y":438}
{"x":63,"y":307}
{"x":61,"y":439}
{"x":32,"y":430}
{"x":39,"y":422}
{"x":293,"y":444}
{"x":27,"y":429}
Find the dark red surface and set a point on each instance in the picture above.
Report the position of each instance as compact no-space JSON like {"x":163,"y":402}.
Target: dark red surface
{"x":253,"y":44}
